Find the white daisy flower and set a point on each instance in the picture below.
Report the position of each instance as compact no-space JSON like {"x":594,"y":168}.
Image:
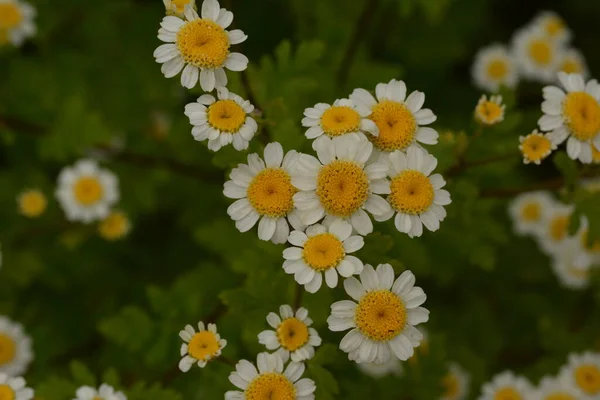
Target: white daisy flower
{"x":201,"y":45}
{"x":104,"y":392}
{"x":489,"y":112}
{"x":15,"y":348}
{"x":583,"y":372}
{"x":177,"y":7}
{"x":553,"y":232}
{"x":32,"y":203}
{"x":382,"y":322}
{"x":529,"y":211}
{"x":270,"y":380}
{"x":223,"y":121}
{"x":199,"y":347}
{"x":507,"y":386}
{"x":455,"y":383}
{"x":494,"y":67}
{"x":327,"y":122}
{"x":574,"y":115}
{"x":537,"y":55}
{"x":416,"y":198}
{"x":16,"y":22}
{"x":265,"y":192}
{"x":399,"y":119}
{"x":87,"y":192}
{"x":392,"y":367}
{"x":571,"y":269}
{"x":552,"y":25}
{"x":535,"y":147}
{"x":323,"y":251}
{"x":552,"y":388}
{"x":14,"y":388}
{"x":342,"y":183}
{"x":292,"y":335}
{"x":573,"y":62}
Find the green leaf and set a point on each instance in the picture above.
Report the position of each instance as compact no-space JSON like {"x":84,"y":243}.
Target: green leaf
{"x":81,"y":374}
{"x":131,"y":328}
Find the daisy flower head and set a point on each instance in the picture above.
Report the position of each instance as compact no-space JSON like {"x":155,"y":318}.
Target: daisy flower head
{"x":553,"y":26}
{"x":114,"y":227}
{"x":200,"y":46}
{"x":583,"y":372}
{"x":553,"y":233}
{"x":507,"y":386}
{"x":87,"y":192}
{"x":32,"y":203}
{"x":327,"y":122}
{"x":270,"y":380}
{"x":222,"y":121}
{"x":400,"y":119}
{"x":455,"y":383}
{"x":382,"y":317}
{"x":573,"y":62}
{"x":104,"y":392}
{"x":264,"y":192}
{"x":177,"y":7}
{"x":292,"y":334}
{"x":572,"y":270}
{"x":537,"y":55}
{"x":494,"y":67}
{"x":344,"y":182}
{"x":16,"y":22}
{"x":392,"y":367}
{"x":416,"y":196}
{"x":14,"y":388}
{"x":322,"y":251}
{"x":489,"y":111}
{"x":529,"y":211}
{"x":573,"y":114}
{"x":535,"y":147}
{"x":15,"y":348}
{"x":589,"y":249}
{"x":552,"y":388}
{"x":199,"y":347}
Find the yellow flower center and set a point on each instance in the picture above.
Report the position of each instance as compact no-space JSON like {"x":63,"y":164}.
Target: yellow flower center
{"x":380,"y":315}
{"x":559,"y":227}
{"x":559,"y":396}
{"x":587,"y":378}
{"x":489,"y":112}
{"x":292,"y":334}
{"x":531,"y":212}
{"x":8,"y":349}
{"x":342,"y":187}
{"x":322,"y":252}
{"x":497,"y":69}
{"x":32,"y":203}
{"x":593,"y":247}
{"x":270,"y":386}
{"x":203,"y":345}
{"x":6,"y":393}
{"x":114,"y":226}
{"x":338,"y":120}
{"x":451,"y":386}
{"x":226,"y":116}
{"x":180,"y":4}
{"x":10,"y":16}
{"x":203,"y":43}
{"x":582,"y":114}
{"x":98,"y":398}
{"x":397,"y":126}
{"x":3,"y":37}
{"x":88,"y":190}
{"x":535,"y":147}
{"x":411,"y":192}
{"x":571,"y":66}
{"x":554,"y":26}
{"x":271,"y":193}
{"x":508,"y":394}
{"x":540,"y":51}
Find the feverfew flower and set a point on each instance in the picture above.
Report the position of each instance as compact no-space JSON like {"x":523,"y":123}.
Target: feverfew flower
{"x":529,"y":211}
{"x":342,"y":183}
{"x":383,"y":318}
{"x":329,"y":122}
{"x":87,"y":192}
{"x":583,"y":372}
{"x":553,"y":232}
{"x":552,"y":388}
{"x":489,"y":112}
{"x":572,"y":270}
{"x":507,"y":386}
{"x":574,"y":115}
{"x":493,"y":68}
{"x":392,"y":367}
{"x":270,"y":380}
{"x":199,"y":347}
{"x":589,"y":249}
{"x":455,"y":383}
{"x":399,"y":119}
{"x":573,"y":62}
{"x":32,"y":203}
{"x":116,"y":226}
{"x":265,"y":192}
{"x":16,"y":22}
{"x":15,"y":348}
{"x":535,"y":147}
{"x":292,"y":334}
{"x":177,"y":7}
{"x":223,"y":121}
{"x":201,"y":45}
{"x":104,"y":392}
{"x":14,"y":388}
{"x":537,"y":55}
{"x":553,"y":26}
{"x":323,"y":251}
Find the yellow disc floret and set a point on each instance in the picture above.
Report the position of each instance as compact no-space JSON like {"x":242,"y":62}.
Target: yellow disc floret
{"x":292,"y":334}
{"x":497,"y":69}
{"x":338,"y":120}
{"x":554,"y":26}
{"x":451,"y":386}
{"x":587,"y":378}
{"x":226,"y":116}
{"x":595,"y":155}
{"x":342,"y":187}
{"x":203,"y":346}
{"x":540,"y":52}
{"x":203,"y":43}
{"x":7,"y":349}
{"x":559,"y":396}
{"x":559,"y":227}
{"x":7,"y":393}
{"x":489,"y":112}
{"x":582,"y":115}
{"x":322,"y":252}
{"x":571,"y":66}
{"x":271,"y":193}
{"x":593,"y":246}
{"x":535,"y":147}
{"x":397,"y":126}
{"x":10,"y":16}
{"x":32,"y":203}
{"x":531,"y":212}
{"x":411,"y":192}
{"x":270,"y":386}
{"x":88,"y":190}
{"x":115,"y":226}
{"x":380,"y":315}
{"x":508,"y":393}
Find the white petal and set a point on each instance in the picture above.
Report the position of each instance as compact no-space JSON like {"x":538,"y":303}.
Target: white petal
{"x":237,"y":36}
{"x":354,"y":288}
{"x":266,"y":228}
{"x":236,"y":62}
{"x":211,"y":9}
{"x":207,"y":80}
{"x":415,"y":101}
{"x":273,"y":155}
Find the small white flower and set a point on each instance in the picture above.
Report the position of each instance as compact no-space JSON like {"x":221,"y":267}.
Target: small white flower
{"x":583,"y":372}
{"x":535,"y":147}
{"x":382,"y":320}
{"x":392,"y":367}
{"x":177,"y":7}
{"x":270,"y":380}
{"x":292,"y":334}
{"x":529,"y":211}
{"x":573,"y":62}
{"x":16,"y":22}
{"x":552,"y":388}
{"x":32,"y":203}
{"x":14,"y":388}
{"x":223,"y":121}
{"x":265,"y":192}
{"x":553,"y":232}
{"x":570,"y":267}
{"x":552,"y":25}
{"x":507,"y":386}
{"x":493,"y":68}
{"x":489,"y":112}
{"x":199,"y":347}
{"x":574,"y":115}
{"x":537,"y":55}
{"x":15,"y":348}
{"x":104,"y":392}
{"x":323,"y":251}
{"x":87,"y":192}
{"x":455,"y":383}
{"x":201,"y":45}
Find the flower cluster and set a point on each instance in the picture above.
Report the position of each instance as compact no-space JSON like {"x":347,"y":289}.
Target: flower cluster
{"x":16,"y":22}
